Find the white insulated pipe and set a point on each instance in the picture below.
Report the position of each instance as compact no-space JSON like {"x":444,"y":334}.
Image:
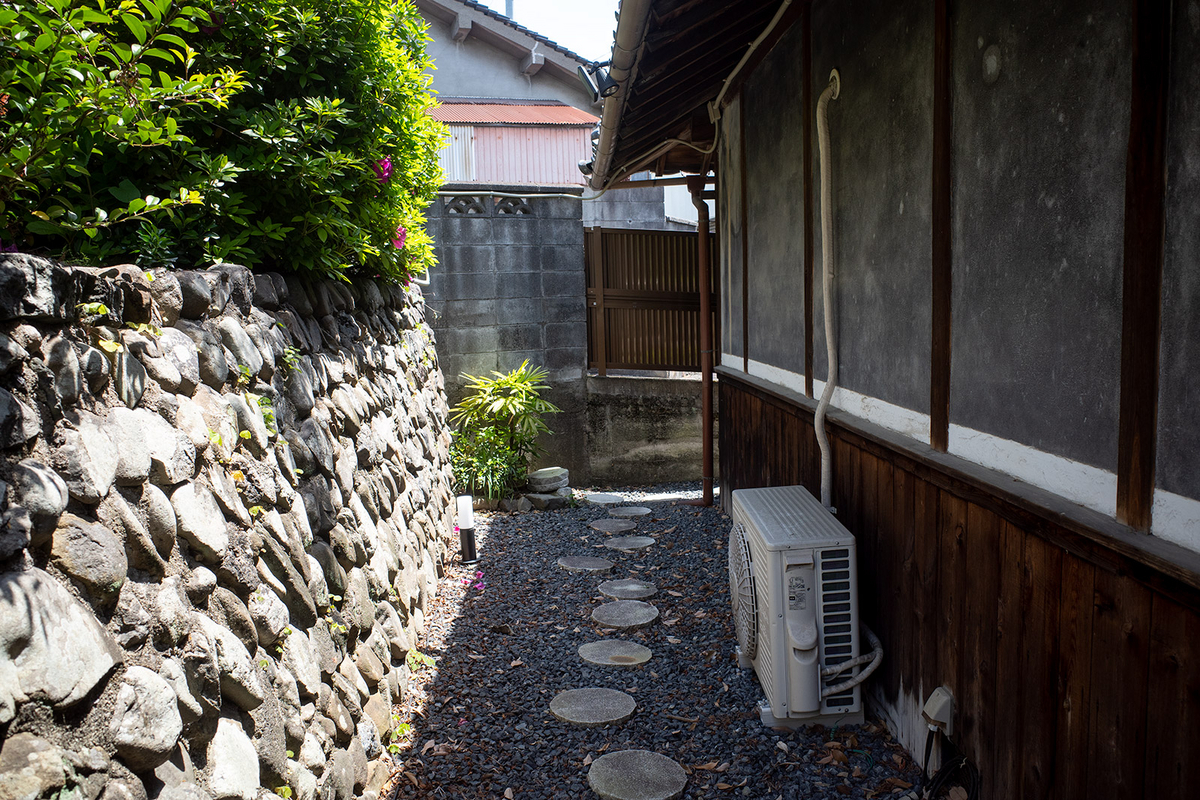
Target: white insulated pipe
{"x":831,"y":92}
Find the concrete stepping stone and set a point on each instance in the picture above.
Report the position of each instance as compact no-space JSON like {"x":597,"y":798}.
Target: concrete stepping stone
{"x":628,"y":589}
{"x":585,"y":564}
{"x":628,"y":543}
{"x":629,"y":511}
{"x":548,"y":479}
{"x":602,"y":499}
{"x":612,"y":525}
{"x":636,"y":775}
{"x":592,"y":707}
{"x":615,"y":653}
{"x":625,"y":615}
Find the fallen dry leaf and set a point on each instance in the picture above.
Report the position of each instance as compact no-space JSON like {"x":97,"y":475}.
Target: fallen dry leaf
{"x":782,"y":746}
{"x":957,"y":793}
{"x":587,"y":760}
{"x":899,"y":783}
{"x":517,"y":663}
{"x":674,"y":593}
{"x":508,"y":794}
{"x":412,"y":778}
{"x":428,"y":746}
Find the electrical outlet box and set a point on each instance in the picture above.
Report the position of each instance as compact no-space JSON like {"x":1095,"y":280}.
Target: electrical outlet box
{"x":939,"y":711}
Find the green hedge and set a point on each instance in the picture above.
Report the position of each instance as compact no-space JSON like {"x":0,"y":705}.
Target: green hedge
{"x":283,"y":136}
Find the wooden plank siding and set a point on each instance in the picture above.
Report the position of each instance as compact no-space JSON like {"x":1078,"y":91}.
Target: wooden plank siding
{"x":1075,"y":672}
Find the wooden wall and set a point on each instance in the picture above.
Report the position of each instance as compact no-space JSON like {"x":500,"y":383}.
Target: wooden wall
{"x":1075,"y":666}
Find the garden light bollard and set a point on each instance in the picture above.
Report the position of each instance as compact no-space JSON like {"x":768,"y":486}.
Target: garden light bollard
{"x":466,"y":529}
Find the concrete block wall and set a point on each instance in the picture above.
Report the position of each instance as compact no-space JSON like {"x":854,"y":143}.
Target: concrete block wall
{"x":225,"y":502}
{"x":510,"y":287}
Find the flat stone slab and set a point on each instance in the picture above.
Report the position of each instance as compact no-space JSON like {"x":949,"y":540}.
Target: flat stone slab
{"x":585,"y":564}
{"x":612,"y":525}
{"x":628,"y":589}
{"x":629,"y":543}
{"x":602,"y":499}
{"x":615,"y":653}
{"x":591,"y":708}
{"x":625,"y":615}
{"x":629,"y":511}
{"x":636,"y":775}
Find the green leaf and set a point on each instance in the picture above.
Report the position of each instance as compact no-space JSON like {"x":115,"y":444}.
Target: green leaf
{"x":136,"y":27}
{"x":125,"y":192}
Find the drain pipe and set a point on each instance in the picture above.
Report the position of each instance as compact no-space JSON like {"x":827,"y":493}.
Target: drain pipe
{"x":830,"y":93}
{"x":695,"y":185}
{"x":632,"y":19}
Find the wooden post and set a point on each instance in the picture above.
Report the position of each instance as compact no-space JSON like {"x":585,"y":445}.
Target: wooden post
{"x":696,"y":187}
{"x":595,"y":257}
{"x":1145,"y":217}
{"x":939,"y":367}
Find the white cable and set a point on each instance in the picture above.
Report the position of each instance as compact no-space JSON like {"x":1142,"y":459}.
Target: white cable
{"x":831,"y":92}
{"x":876,"y":656}
{"x":714,"y":108}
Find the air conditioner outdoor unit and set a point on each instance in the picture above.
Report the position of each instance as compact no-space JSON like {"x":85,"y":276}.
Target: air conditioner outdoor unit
{"x":793,"y":584}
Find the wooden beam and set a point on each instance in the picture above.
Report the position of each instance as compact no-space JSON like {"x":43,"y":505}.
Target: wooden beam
{"x":745,"y":235}
{"x":939,"y":366}
{"x":532,"y":63}
{"x":460,"y":28}
{"x":1145,"y":189}
{"x":806,"y":94}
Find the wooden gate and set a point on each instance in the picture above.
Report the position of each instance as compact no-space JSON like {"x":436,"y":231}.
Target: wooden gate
{"x":643,"y":299}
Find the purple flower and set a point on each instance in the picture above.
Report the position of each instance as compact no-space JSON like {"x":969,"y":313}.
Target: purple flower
{"x":7,"y":248}
{"x":401,"y":235}
{"x":383,"y":169}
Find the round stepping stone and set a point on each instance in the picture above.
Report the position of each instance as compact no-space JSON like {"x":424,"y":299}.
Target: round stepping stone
{"x":629,"y":542}
{"x":612,"y":525}
{"x":628,"y":589}
{"x":591,"y":708}
{"x":602,"y":499}
{"x":625,"y":615}
{"x":636,"y":775}
{"x":585,"y":564}
{"x":614,"y":653}
{"x":629,"y":511}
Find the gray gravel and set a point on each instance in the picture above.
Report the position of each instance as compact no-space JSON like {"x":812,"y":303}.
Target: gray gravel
{"x":504,"y":651}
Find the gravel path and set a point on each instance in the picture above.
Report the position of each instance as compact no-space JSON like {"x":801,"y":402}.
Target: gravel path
{"x":480,"y":720}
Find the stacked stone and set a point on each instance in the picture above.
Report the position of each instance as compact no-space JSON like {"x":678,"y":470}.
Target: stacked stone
{"x":226,"y":501}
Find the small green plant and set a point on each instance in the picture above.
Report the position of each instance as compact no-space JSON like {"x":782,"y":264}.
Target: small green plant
{"x":255,"y":510}
{"x":268,"y":412}
{"x":418,"y":661}
{"x":92,"y":309}
{"x":499,"y":422}
{"x":291,"y":358}
{"x":145,"y":328}
{"x":243,"y":377}
{"x":284,"y":791}
{"x":244,"y":434}
{"x":214,"y":437}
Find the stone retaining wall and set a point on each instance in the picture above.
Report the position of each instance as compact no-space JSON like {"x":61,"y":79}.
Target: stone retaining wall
{"x":226,"y":503}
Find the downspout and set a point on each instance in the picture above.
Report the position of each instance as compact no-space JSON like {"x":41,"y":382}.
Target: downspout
{"x":830,"y":93}
{"x":631,"y":27}
{"x":696,"y":187}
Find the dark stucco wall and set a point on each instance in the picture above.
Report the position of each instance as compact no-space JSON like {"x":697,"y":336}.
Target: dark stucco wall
{"x":1039,"y":171}
{"x":730,"y":235}
{"x":881,"y":132}
{"x":775,"y":207}
{"x":1179,"y":390}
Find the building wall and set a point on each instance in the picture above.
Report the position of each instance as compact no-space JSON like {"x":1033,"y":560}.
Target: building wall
{"x":472,"y":68}
{"x":1037,"y":226}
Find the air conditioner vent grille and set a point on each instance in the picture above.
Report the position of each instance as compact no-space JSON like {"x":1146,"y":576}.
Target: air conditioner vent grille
{"x":836,"y":633}
{"x":742,"y":591}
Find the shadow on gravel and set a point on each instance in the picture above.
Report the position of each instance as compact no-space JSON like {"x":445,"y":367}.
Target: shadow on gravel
{"x":504,"y":644}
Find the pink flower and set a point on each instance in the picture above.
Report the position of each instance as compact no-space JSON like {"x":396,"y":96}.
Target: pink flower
{"x":401,"y":235}
{"x":383,"y":169}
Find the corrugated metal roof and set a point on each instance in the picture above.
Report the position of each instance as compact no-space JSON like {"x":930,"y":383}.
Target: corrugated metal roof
{"x":508,"y":114}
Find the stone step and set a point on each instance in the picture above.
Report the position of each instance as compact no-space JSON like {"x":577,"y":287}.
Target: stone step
{"x":615,"y":653}
{"x":612,"y":525}
{"x":629,"y":511}
{"x":548,"y":479}
{"x":636,"y":775}
{"x":625,"y":615}
{"x":628,"y":589}
{"x":592,"y":707}
{"x":603,"y":499}
{"x":585,"y":564}
{"x":629,"y":543}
